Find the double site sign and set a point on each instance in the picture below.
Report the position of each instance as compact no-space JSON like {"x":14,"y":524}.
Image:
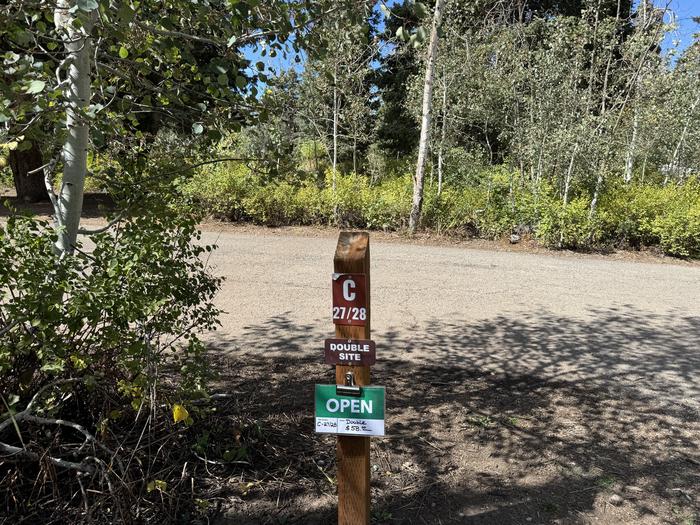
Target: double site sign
{"x":350,"y":352}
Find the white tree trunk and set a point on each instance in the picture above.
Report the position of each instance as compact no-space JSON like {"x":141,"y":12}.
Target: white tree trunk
{"x":335,"y":143}
{"x":603,"y":108}
{"x":569,"y":174}
{"x":567,"y":186}
{"x":629,"y":161}
{"x":417,"y":204}
{"x":78,"y":46}
{"x":596,"y":191}
{"x":354,"y":154}
{"x":675,"y":160}
{"x":443,"y":131}
{"x":335,"y":129}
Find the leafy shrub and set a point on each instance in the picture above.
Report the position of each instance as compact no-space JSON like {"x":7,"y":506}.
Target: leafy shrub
{"x":566,"y":226}
{"x":221,"y":189}
{"x":388,"y":205}
{"x":349,"y":198}
{"x":465,"y":167}
{"x":676,"y":224}
{"x":648,"y":215}
{"x":84,"y":341}
{"x":312,"y":204}
{"x":6,"y":180}
{"x":628,"y":210}
{"x":275,"y":204}
{"x":679,"y":232}
{"x":455,"y":209}
{"x":489,"y":202}
{"x":109,"y":316}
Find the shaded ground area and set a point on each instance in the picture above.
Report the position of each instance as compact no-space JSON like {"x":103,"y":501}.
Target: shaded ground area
{"x":94,"y":205}
{"x":569,"y":429}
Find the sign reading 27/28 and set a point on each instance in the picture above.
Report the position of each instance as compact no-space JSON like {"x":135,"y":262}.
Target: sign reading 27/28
{"x":350,"y":299}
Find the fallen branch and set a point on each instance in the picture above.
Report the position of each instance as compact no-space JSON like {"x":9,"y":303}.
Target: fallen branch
{"x":22,"y":453}
{"x":28,"y":416}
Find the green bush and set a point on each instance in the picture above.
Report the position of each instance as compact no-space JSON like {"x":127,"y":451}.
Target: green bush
{"x":628,"y":210}
{"x":6,"y":180}
{"x":220,"y":189}
{"x":679,"y":232}
{"x":491,"y":209}
{"x":490,"y":202}
{"x":349,"y":198}
{"x":109,"y":317}
{"x":389,"y":203}
{"x":455,"y":209}
{"x":566,"y":226}
{"x":313,"y":204}
{"x":99,"y":350}
{"x":275,"y":204}
{"x":677,"y":227}
{"x":645,"y":215}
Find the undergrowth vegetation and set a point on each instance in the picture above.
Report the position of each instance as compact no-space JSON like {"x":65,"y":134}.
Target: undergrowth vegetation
{"x":489,"y":203}
{"x":99,"y":360}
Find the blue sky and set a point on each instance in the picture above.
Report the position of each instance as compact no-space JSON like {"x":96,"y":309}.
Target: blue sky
{"x":684,"y":11}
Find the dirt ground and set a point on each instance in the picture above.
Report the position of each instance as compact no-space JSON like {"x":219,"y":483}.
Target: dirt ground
{"x":462,"y":447}
{"x":521,"y":388}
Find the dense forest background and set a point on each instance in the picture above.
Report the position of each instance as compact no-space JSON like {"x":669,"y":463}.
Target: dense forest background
{"x":566,"y":121}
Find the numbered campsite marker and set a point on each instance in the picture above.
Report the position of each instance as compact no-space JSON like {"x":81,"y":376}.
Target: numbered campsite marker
{"x":351,"y":289}
{"x":350,"y":352}
{"x":351,"y":416}
{"x":349,"y":299}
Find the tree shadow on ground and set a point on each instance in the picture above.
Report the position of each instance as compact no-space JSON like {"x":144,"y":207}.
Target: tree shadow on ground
{"x":538,"y":419}
{"x":95,"y":205}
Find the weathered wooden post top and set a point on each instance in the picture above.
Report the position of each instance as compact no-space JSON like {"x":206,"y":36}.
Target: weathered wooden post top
{"x":351,"y":409}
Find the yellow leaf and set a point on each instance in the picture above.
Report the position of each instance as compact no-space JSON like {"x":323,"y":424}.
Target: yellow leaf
{"x":158,"y":485}
{"x":180,"y":413}
{"x":78,"y":363}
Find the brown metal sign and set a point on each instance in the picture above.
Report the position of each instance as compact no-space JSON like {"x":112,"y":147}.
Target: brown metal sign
{"x":349,"y":299}
{"x":361,"y":352}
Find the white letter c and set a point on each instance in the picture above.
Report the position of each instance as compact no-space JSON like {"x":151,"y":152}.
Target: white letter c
{"x":347,"y":294}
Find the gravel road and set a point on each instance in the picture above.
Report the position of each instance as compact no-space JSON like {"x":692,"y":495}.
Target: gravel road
{"x":585,"y":319}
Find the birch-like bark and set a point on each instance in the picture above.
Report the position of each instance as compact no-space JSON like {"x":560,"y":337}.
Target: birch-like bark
{"x":443,"y":131}
{"x":594,"y":45}
{"x":675,"y":160}
{"x":78,"y":46}
{"x":335,"y":140}
{"x":603,"y":109}
{"x":629,"y":161}
{"x":354,"y":153}
{"x":418,"y":180}
{"x":335,"y":128}
{"x":567,"y":186}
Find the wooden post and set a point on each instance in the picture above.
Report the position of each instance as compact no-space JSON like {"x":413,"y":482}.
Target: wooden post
{"x":352,"y":256}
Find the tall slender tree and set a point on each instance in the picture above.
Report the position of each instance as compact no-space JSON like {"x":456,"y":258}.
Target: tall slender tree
{"x":418,"y":180}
